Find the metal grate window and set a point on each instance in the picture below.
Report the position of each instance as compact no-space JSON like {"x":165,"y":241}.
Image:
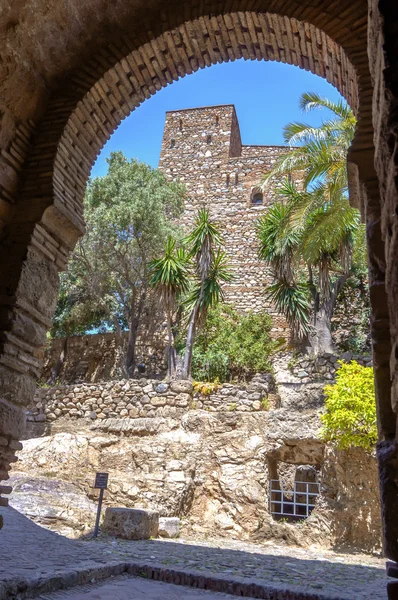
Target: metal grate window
{"x":296,"y":502}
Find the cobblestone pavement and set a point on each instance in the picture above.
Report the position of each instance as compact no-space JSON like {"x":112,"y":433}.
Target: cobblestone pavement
{"x":30,"y":551}
{"x":132,"y":588}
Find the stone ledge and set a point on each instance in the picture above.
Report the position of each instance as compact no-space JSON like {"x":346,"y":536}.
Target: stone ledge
{"x":236,"y":586}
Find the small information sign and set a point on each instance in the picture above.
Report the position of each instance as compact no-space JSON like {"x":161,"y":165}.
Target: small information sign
{"x":101,"y":481}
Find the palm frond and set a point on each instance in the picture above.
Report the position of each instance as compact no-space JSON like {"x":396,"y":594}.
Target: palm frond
{"x":293,"y":301}
{"x":312,"y":101}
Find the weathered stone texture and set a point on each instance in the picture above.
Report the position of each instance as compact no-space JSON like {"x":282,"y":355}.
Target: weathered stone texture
{"x":66,"y":89}
{"x":140,"y":399}
{"x":92,"y":358}
{"x":202,"y":148}
{"x":131,"y":523}
{"x":212,"y":469}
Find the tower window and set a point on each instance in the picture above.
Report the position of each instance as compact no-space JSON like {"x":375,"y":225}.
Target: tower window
{"x":236,"y":179}
{"x":172,"y":143}
{"x":217,"y":121}
{"x":256,"y":197}
{"x":227,"y":181}
{"x":208,"y":139}
{"x":180,"y":125}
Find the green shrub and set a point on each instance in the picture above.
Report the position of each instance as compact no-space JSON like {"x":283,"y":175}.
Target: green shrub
{"x":350,"y":418}
{"x":232,"y":346}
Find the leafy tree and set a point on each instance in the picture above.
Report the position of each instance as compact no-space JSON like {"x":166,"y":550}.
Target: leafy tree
{"x":129,"y":213}
{"x":350,"y":418}
{"x":211,"y":269}
{"x":231,"y":345}
{"x":170,"y":277}
{"x":309,"y":237}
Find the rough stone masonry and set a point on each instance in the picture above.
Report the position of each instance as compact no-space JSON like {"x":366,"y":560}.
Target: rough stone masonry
{"x":202,"y":148}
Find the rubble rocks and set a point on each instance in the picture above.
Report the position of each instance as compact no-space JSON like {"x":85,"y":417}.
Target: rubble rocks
{"x":169,"y":527}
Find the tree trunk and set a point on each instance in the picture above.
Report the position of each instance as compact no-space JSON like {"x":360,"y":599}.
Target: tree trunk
{"x":170,"y":348}
{"x":136,"y":314}
{"x":56,"y":370}
{"x":120,"y":346}
{"x":320,"y":337}
{"x":131,"y":344}
{"x":186,"y":371}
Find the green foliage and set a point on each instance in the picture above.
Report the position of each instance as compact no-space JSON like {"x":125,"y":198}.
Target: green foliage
{"x":195,"y":270}
{"x":231,"y":345}
{"x":130,"y":213}
{"x":350,"y":418}
{"x":211,"y":269}
{"x":170,"y":279}
{"x":312,"y":239}
{"x":169,"y":273}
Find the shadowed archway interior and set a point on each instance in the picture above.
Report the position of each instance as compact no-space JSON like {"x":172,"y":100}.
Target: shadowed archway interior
{"x":48,"y":154}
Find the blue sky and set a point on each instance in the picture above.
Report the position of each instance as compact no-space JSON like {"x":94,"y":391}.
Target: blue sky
{"x":265,"y":95}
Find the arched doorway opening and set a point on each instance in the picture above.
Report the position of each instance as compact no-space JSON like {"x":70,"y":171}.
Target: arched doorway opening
{"x":83,"y":115}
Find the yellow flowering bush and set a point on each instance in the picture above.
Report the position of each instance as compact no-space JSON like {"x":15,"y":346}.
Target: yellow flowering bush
{"x":350,"y":417}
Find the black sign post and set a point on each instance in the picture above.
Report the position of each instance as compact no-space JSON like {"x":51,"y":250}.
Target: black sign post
{"x":101,"y":483}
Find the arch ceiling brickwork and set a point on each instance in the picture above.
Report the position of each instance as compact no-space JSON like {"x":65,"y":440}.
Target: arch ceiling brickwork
{"x":71,"y":73}
{"x":181,"y":51}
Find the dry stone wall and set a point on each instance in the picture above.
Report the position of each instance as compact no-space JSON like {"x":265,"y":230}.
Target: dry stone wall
{"x":297,"y":380}
{"x":143,"y":398}
{"x":206,"y":458}
{"x":206,"y":463}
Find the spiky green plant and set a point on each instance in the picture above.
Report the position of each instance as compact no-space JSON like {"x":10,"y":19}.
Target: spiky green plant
{"x":211,"y":269}
{"x":309,"y":237}
{"x":170,"y":278}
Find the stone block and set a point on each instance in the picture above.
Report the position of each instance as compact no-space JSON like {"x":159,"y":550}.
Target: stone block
{"x":131,"y":523}
{"x":161,"y":388}
{"x":169,"y":527}
{"x":158,"y":401}
{"x":182,"y":400}
{"x":181,"y":387}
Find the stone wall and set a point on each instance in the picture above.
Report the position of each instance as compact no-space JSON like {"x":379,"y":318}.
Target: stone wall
{"x":296,"y":378}
{"x":203,"y":149}
{"x":136,"y":398}
{"x":207,"y":459}
{"x":66,"y":89}
{"x":99,"y":357}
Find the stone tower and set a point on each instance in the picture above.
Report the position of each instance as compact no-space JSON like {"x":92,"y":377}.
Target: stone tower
{"x":202,"y":148}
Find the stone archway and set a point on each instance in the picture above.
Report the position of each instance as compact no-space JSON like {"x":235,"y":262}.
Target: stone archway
{"x":129,"y":56}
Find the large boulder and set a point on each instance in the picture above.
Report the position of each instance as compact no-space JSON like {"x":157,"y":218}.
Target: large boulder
{"x":131,"y":523}
{"x":169,"y":527}
{"x":58,"y":505}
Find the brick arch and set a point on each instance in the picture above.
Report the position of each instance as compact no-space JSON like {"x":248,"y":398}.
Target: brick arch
{"x":91,"y":104}
{"x":150,"y":46}
{"x":197,"y":44}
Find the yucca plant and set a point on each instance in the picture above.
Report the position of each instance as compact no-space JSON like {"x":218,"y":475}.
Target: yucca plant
{"x":211,"y":269}
{"x":170,"y":278}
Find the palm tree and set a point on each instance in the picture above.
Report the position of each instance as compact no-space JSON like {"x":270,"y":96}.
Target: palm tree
{"x":308,"y":237}
{"x":321,"y":157}
{"x":170,"y":278}
{"x":310,"y":260}
{"x":211,"y":268}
